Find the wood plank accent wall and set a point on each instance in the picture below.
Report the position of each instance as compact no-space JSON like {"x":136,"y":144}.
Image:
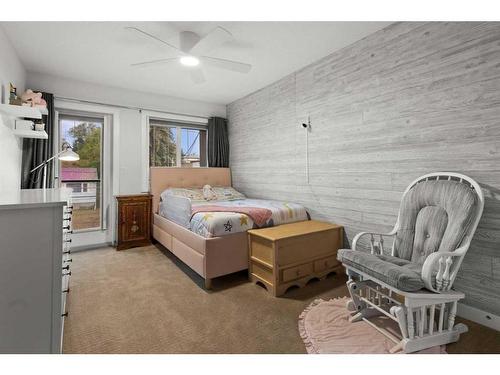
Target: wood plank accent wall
{"x":410,"y":99}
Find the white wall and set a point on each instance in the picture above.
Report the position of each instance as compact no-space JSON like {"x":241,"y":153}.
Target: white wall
{"x":11,"y":70}
{"x":130,"y":172}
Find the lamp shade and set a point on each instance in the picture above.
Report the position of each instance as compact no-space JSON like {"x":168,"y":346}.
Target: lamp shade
{"x":69,"y":155}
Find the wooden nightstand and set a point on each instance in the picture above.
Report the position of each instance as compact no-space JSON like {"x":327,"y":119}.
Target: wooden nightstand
{"x":134,"y":220}
{"x":293,"y":254}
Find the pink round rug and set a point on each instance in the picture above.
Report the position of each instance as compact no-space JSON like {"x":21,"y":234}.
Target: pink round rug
{"x":325,"y":329}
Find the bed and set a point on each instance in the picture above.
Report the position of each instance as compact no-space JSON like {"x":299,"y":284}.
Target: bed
{"x":210,"y":235}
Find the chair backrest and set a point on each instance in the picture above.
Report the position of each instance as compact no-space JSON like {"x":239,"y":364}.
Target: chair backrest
{"x":438,"y":212}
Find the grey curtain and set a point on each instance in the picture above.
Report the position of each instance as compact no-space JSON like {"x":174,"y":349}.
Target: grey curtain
{"x":35,"y":151}
{"x":218,"y":143}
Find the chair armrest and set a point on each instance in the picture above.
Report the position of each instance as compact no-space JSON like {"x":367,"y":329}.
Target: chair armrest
{"x":361,"y":234}
{"x":447,"y":264}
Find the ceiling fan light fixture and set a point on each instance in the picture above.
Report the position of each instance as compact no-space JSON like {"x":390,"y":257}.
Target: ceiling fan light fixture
{"x":189,"y":60}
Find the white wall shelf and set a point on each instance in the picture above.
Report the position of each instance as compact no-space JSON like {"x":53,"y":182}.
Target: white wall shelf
{"x":30,"y":134}
{"x":18,"y":111}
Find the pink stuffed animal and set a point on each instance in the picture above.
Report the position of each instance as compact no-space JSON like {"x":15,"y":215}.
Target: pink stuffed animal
{"x":33,"y":99}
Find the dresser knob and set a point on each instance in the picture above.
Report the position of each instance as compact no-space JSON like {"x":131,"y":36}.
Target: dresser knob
{"x":65,"y":314}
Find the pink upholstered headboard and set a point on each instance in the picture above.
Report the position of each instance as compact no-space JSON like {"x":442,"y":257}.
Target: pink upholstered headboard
{"x":162,"y":178}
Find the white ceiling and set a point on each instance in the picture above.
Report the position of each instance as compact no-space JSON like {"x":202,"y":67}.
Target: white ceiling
{"x":101,"y":52}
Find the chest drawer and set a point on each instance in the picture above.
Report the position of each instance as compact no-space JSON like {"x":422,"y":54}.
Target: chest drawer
{"x":325,"y":263}
{"x":297,"y":272}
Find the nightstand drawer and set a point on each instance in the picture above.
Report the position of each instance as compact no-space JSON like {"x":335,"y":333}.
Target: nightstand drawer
{"x":134,"y":221}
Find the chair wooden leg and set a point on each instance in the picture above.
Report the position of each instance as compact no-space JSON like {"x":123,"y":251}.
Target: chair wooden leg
{"x":396,"y":348}
{"x":367,"y":312}
{"x":400,"y":315}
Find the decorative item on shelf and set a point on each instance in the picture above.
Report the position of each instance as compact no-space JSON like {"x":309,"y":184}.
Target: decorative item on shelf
{"x":24,"y":125}
{"x":39,"y":126}
{"x":13,"y":99}
{"x":33,"y":99}
{"x":13,"y":92}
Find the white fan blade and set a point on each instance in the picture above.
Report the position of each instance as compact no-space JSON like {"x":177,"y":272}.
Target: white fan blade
{"x":234,"y":66}
{"x":212,"y":40}
{"x":197,"y":76}
{"x":153,"y":62}
{"x":146,"y":34}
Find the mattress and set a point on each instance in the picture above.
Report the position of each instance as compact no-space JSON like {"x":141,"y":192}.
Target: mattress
{"x":190,"y":214}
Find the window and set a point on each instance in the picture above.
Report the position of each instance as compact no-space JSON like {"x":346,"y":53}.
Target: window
{"x":83,"y":176}
{"x":177,"y":144}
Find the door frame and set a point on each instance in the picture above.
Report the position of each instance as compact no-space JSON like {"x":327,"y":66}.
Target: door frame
{"x":110,"y":170}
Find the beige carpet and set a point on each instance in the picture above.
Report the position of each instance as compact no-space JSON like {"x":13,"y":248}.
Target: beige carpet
{"x":144,"y":300}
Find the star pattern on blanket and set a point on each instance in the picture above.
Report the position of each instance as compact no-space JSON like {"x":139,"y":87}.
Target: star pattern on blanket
{"x":207,"y":216}
{"x":228,"y":226}
{"x":243,"y":220}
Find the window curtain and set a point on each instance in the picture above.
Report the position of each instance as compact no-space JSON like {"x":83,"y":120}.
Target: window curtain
{"x":36,"y":151}
{"x":218,"y":143}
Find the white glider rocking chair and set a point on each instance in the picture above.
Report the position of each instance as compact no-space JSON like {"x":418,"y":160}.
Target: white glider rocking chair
{"x":412,"y":284}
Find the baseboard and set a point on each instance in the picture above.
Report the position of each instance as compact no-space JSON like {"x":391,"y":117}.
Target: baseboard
{"x":479,"y":316}
{"x":75,"y":249}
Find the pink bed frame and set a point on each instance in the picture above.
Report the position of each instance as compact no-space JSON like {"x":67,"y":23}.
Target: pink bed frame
{"x":209,"y":257}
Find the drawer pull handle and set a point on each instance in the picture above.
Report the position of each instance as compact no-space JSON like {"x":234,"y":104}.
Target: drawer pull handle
{"x":65,"y":314}
{"x":68,"y":260}
{"x":67,"y":252}
{"x":68,"y":240}
{"x":66,"y":290}
{"x":67,"y":273}
{"x":66,"y":267}
{"x":67,"y":228}
{"x":69,"y":231}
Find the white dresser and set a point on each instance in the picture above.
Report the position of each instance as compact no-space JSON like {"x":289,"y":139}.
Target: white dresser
{"x":35,"y":226}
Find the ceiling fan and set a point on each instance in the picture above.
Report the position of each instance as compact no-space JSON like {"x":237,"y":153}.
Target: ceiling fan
{"x":192,"y":52}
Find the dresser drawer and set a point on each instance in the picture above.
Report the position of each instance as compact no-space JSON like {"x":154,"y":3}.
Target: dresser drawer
{"x":297,"y":272}
{"x":325,"y":263}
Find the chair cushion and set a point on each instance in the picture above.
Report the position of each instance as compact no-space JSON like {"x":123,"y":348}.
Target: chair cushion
{"x":434,"y":216}
{"x":399,"y":273}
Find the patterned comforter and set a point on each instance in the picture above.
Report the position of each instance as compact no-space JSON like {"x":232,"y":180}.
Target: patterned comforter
{"x":213,"y":223}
